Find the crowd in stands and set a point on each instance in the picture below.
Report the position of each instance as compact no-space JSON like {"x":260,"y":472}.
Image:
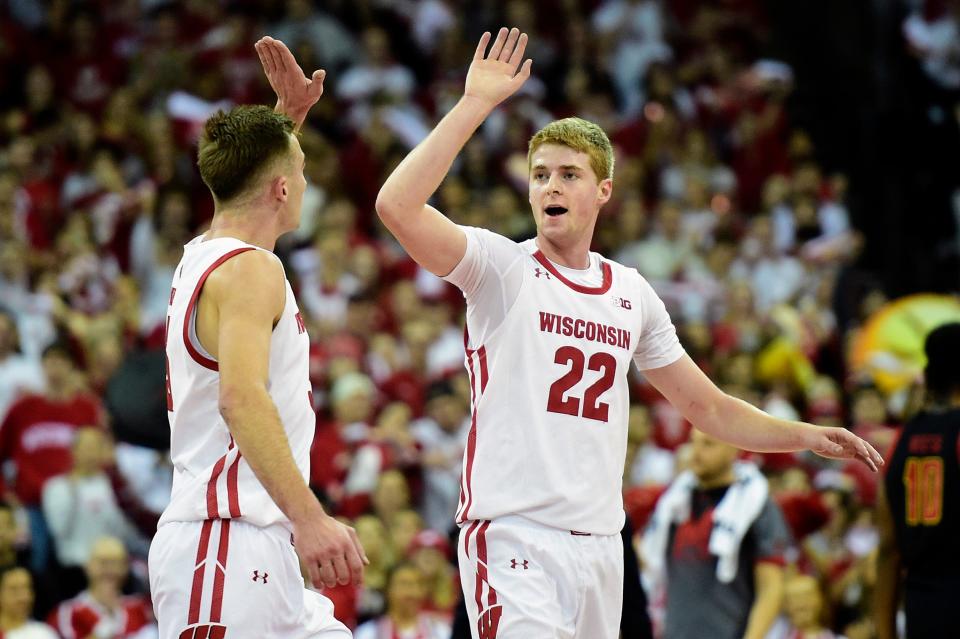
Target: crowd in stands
{"x":718,"y":201}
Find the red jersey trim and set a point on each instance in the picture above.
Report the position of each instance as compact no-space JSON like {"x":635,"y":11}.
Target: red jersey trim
{"x":197,"y":356}
{"x":466,"y":487}
{"x":579,"y":288}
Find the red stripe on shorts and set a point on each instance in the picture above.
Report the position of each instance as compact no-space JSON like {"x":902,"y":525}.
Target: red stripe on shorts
{"x":466,"y":537}
{"x":216,"y":601}
{"x":197,"y":591}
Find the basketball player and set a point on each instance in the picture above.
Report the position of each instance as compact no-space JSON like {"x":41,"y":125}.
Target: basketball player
{"x":223,"y":562}
{"x":919,"y":505}
{"x":552,"y":329}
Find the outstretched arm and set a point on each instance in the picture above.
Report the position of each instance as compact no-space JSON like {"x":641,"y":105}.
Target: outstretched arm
{"x":733,"y":420}
{"x":431,"y":239}
{"x":296,"y":93}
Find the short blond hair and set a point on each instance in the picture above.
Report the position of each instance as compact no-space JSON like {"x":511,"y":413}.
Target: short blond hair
{"x":580,"y":135}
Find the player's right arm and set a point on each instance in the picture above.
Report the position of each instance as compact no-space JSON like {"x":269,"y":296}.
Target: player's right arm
{"x":886,"y":594}
{"x":245,"y":296}
{"x":428,"y":236}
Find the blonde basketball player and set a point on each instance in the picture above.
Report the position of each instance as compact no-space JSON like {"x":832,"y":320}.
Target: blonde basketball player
{"x":552,"y":331}
{"x":224,"y":559}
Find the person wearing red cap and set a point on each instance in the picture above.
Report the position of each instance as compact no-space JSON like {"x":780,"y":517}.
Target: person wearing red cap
{"x":430,"y":552}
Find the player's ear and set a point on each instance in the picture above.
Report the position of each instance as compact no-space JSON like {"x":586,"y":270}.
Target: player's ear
{"x":279,"y":188}
{"x":604,"y":191}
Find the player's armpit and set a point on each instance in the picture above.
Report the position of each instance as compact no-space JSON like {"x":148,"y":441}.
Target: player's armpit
{"x":431,"y":239}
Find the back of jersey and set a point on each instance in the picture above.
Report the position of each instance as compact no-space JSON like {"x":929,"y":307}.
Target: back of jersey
{"x":211,"y":479}
{"x":923,"y":490}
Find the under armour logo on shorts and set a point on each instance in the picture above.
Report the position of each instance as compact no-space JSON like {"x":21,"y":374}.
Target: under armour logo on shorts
{"x":257,"y":576}
{"x":514,"y":563}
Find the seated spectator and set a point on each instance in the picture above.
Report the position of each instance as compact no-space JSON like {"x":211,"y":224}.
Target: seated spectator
{"x":406,"y":617}
{"x":36,"y":436}
{"x":804,"y":605}
{"x":442,"y":435}
{"x":16,"y":606}
{"x":18,"y":374}
{"x":430,"y":553}
{"x":80,"y":506}
{"x":102,"y":611}
{"x":647,"y":463}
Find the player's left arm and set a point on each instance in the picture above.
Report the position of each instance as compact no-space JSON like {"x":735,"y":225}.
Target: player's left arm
{"x":886,"y":594}
{"x":296,"y":93}
{"x":735,"y":421}
{"x":768,"y":586}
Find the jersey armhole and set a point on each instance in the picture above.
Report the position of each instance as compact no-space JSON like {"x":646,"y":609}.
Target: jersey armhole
{"x":196,"y":351}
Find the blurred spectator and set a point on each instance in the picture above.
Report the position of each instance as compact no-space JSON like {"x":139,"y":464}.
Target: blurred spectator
{"x":19,"y":374}
{"x":430,"y":553}
{"x":16,"y":606}
{"x":647,"y":463}
{"x":37,"y":435}
{"x":405,"y":617}
{"x":80,"y":506}
{"x":804,"y":605}
{"x":102,"y":611}
{"x":442,"y":436}
{"x":718,"y":542}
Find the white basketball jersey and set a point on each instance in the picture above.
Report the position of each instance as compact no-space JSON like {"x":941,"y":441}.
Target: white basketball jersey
{"x":551,"y":398}
{"x":211,"y":479}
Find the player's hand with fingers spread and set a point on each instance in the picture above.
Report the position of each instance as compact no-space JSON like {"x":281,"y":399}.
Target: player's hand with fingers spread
{"x":839,"y":443}
{"x":493,"y":75}
{"x":296,"y":93}
{"x":330,"y":550}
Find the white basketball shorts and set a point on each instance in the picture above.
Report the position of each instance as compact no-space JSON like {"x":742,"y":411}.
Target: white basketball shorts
{"x":523,"y":580}
{"x":223,"y":579}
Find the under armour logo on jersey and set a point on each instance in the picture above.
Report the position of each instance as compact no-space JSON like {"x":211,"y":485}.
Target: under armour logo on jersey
{"x":257,"y":576}
{"x":524,"y":563}
{"x":539,"y":271}
{"x":301,"y":326}
{"x":622,"y":303}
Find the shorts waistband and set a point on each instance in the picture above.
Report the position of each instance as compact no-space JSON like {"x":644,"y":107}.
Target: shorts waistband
{"x":279,"y":531}
{"x":523,"y":522}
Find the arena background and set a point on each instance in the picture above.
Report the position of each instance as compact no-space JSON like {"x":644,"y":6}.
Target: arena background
{"x":785,"y":170}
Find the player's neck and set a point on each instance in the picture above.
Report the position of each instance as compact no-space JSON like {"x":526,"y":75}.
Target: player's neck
{"x":245,"y":226}
{"x":576,"y":255}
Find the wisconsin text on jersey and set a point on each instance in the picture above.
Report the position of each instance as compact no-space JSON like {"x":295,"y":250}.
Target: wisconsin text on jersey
{"x":584,"y":329}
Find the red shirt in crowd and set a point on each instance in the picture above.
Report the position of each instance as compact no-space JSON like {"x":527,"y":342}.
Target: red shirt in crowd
{"x":78,"y":617}
{"x":37,"y":435}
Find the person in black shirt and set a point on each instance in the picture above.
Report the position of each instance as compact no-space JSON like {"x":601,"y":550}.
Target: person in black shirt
{"x":919,"y":505}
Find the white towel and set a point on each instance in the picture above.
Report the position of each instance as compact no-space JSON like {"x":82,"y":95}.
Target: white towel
{"x":732,"y":518}
{"x":734,"y":515}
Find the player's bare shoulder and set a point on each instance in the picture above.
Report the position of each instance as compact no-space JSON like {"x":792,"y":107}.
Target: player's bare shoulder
{"x":249,"y":279}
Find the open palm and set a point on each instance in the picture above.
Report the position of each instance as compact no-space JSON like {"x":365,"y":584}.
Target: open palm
{"x":295,"y":91}
{"x":493,"y":75}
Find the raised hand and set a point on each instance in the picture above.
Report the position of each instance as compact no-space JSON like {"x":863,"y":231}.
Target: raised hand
{"x":839,"y":443}
{"x":295,"y":92}
{"x":493,"y":75}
